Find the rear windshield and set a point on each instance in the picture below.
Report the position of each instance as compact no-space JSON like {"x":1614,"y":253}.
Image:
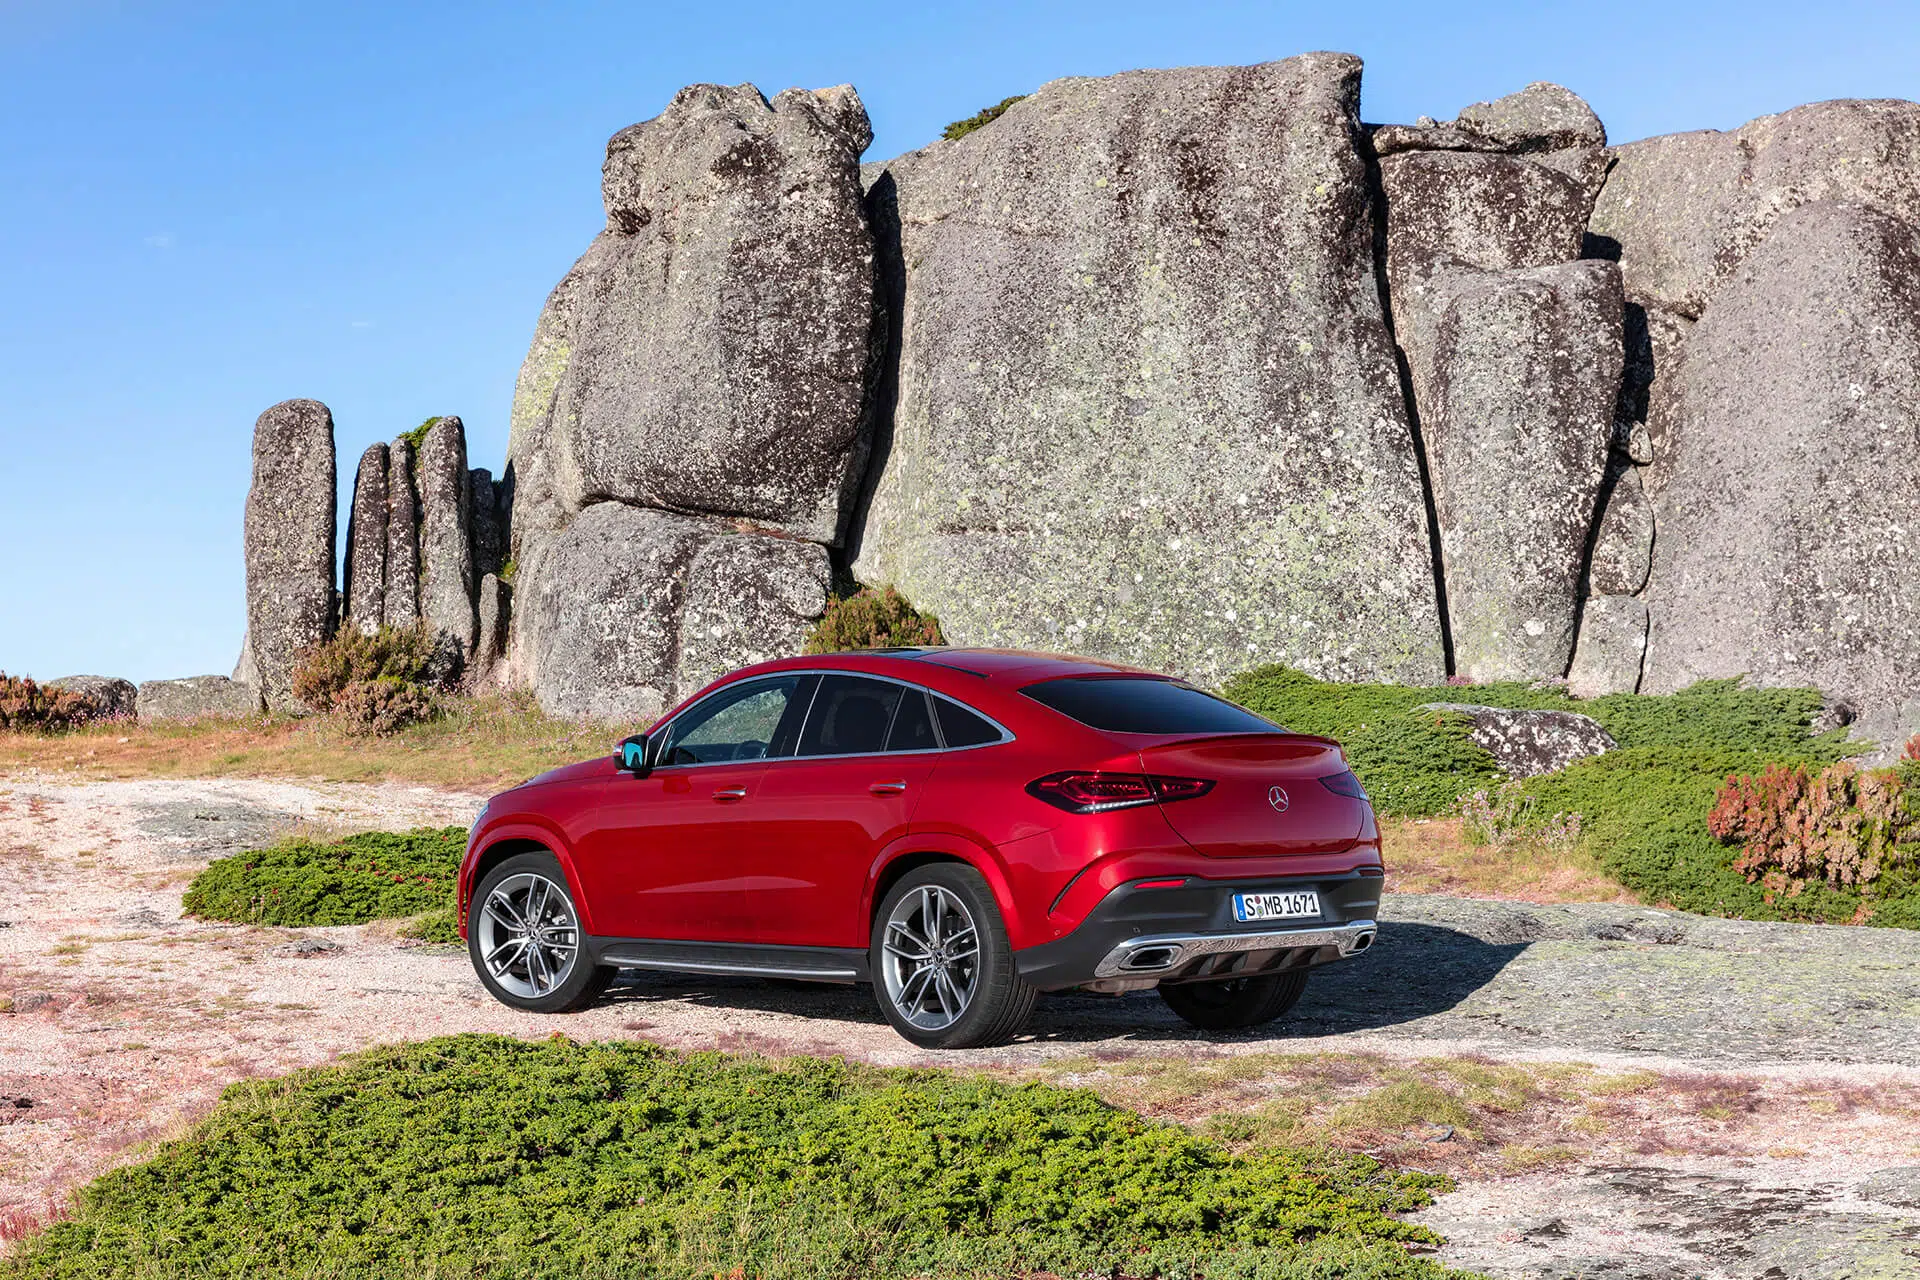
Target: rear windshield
{"x":1127,"y":704}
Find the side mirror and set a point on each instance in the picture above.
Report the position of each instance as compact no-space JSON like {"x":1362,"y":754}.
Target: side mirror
{"x":633,"y":754}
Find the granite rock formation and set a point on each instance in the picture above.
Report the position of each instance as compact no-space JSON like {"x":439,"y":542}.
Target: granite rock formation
{"x":291,"y":600}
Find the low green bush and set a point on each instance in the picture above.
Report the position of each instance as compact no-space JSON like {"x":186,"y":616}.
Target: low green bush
{"x":375,"y":875}
{"x":979,"y":119}
{"x":31,"y":707}
{"x":487,"y":1156}
{"x":870,"y":619}
{"x":415,"y":438}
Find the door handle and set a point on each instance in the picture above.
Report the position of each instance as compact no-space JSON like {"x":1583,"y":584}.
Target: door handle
{"x":729,"y":794}
{"x":892,"y":787}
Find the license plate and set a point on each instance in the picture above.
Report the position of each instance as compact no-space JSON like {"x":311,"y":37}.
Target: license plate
{"x":1297,"y":905}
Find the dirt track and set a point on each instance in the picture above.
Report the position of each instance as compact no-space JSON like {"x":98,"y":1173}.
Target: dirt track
{"x":127,"y":1020}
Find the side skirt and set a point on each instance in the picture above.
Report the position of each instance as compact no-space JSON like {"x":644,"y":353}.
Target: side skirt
{"x":844,"y":965}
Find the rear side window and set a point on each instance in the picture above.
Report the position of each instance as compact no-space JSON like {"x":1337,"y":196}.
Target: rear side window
{"x":912,"y":725}
{"x":1129,"y":704}
{"x":962,"y":728}
{"x":850,"y":717}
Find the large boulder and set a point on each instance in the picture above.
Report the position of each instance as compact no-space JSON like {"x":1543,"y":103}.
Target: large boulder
{"x":116,"y":698}
{"x":290,"y":542}
{"x":196,"y":698}
{"x":748,"y":598}
{"x":710,"y":351}
{"x":1790,"y":518}
{"x":446,"y":533}
{"x":365,"y":589}
{"x":400,"y":604}
{"x":1684,"y":209}
{"x":1517,"y":374}
{"x":1526,"y":742}
{"x":1148,"y":407}
{"x":628,"y":610}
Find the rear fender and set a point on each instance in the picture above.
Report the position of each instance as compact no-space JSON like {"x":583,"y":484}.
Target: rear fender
{"x":528,"y":827}
{"x":950,"y":846}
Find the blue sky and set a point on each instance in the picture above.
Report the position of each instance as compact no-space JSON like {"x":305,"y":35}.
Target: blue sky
{"x":205,"y":208}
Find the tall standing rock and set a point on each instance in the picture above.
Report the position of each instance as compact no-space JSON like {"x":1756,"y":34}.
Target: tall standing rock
{"x":366,"y":566}
{"x":446,"y":537}
{"x":1517,"y":374}
{"x":1789,"y":520}
{"x":1148,"y":405}
{"x":710,"y":352}
{"x":290,"y":530}
{"x":400,"y":607}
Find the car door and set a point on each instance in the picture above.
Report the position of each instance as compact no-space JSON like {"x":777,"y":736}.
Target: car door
{"x":668,"y":849}
{"x":862,"y":760}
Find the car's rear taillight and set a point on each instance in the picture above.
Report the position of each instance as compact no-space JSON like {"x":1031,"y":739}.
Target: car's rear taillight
{"x":1344,"y":784}
{"x":1101,"y":792}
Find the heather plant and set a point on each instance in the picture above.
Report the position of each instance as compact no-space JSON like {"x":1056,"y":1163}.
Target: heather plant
{"x":1842,"y":824}
{"x":28,"y":706}
{"x":870,"y":619}
{"x":378,"y":683}
{"x":1507,"y":814}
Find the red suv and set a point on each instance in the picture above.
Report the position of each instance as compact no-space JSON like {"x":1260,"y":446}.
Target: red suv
{"x":961,"y":828}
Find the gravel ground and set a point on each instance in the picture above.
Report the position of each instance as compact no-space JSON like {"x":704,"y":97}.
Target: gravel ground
{"x":126,"y":1020}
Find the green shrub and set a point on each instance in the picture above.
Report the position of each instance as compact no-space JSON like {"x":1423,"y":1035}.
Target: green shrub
{"x":412,"y":439}
{"x":870,"y":619}
{"x":979,"y":119}
{"x":28,"y":706}
{"x":377,"y":683}
{"x":376,"y":875}
{"x":487,"y":1156}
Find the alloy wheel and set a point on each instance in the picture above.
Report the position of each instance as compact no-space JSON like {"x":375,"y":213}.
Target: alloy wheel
{"x":529,"y":939}
{"x":931,"y":958}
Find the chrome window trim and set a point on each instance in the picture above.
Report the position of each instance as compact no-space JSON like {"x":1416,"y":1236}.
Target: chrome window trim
{"x":1006,"y":735}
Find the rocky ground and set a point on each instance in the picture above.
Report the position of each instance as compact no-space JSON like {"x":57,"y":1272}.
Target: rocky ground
{"x":1780,"y":1136}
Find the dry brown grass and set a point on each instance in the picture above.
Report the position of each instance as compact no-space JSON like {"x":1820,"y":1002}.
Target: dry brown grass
{"x":483,"y":744}
{"x":1433,"y":855}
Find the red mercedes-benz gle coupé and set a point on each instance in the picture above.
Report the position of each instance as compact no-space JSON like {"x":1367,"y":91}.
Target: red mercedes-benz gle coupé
{"x":961,"y":828}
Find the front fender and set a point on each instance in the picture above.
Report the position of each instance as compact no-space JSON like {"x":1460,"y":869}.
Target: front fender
{"x":528,"y":827}
{"x":980,"y":857}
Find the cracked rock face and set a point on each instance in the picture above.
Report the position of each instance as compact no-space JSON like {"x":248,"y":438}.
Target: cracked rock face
{"x":1789,"y":516}
{"x":1516,"y":374}
{"x":1148,"y":406}
{"x":289,"y":542}
{"x":1686,"y":208}
{"x":709,"y":351}
{"x":1623,"y":544}
{"x":1612,"y":647}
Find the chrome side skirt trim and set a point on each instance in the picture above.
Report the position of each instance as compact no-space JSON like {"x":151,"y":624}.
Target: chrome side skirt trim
{"x":723,"y":969}
{"x":1140,"y":957}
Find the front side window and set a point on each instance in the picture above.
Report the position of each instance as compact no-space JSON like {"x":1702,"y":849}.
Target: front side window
{"x":741,"y":723}
{"x":1130,"y":704}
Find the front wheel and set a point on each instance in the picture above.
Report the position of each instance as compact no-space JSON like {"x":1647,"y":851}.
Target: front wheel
{"x":943,"y":969}
{"x":525,"y":940}
{"x":1236,"y":1003}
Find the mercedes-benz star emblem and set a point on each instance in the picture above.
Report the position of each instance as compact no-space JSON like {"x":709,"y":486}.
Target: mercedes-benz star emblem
{"x":1277,"y":797}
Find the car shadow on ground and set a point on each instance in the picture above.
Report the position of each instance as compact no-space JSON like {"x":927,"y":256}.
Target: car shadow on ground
{"x":1412,"y":972}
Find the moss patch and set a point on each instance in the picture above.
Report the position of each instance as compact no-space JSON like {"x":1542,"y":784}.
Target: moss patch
{"x":479,"y":1155}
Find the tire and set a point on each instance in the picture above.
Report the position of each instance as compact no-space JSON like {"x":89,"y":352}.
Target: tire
{"x":554,"y":975}
{"x":1236,"y":1003}
{"x":980,"y":997}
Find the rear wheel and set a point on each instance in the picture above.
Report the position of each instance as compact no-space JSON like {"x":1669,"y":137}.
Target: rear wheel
{"x":525,"y":940}
{"x":943,"y":969}
{"x":1236,"y":1002}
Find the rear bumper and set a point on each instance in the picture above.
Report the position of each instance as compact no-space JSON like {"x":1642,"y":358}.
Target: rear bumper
{"x":1141,"y":937}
